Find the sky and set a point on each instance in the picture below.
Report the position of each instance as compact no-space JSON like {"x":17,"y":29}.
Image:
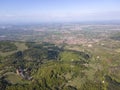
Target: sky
{"x":59,"y":10}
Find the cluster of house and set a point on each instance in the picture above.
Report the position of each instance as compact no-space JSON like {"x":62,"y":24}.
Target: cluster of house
{"x":24,"y":73}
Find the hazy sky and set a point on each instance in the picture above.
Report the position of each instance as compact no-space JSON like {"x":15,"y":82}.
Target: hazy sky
{"x":58,"y":10}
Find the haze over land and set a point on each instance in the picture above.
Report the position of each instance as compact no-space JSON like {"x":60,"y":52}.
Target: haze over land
{"x":60,"y":45}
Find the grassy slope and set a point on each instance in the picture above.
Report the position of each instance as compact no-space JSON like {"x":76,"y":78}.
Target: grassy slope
{"x":20,"y":46}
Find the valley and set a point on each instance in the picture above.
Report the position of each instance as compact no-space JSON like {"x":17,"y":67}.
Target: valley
{"x":60,"y":57}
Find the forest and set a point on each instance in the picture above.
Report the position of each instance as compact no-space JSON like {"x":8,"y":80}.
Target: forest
{"x":46,"y":66}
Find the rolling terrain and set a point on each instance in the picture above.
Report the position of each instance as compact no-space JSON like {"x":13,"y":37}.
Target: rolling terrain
{"x":60,"y":57}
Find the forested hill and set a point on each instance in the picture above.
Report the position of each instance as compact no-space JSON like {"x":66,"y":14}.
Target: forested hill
{"x":46,"y":66}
